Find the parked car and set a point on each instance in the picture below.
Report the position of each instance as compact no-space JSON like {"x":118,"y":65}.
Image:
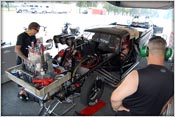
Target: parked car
{"x":27,"y":8}
{"x":34,"y":8}
{"x":142,"y":21}
{"x":145,"y":22}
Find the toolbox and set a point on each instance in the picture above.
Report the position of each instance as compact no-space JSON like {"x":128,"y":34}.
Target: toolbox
{"x":54,"y":86}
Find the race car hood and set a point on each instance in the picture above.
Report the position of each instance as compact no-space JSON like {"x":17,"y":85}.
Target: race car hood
{"x":133,"y":33}
{"x":144,"y":4}
{"x":116,"y":30}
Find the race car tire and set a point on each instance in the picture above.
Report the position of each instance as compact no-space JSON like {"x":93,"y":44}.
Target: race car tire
{"x":92,"y":90}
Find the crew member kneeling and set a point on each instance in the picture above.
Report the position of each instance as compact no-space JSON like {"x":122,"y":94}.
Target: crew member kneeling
{"x":148,"y":90}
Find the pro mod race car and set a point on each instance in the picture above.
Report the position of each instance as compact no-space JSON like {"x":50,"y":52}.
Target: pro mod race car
{"x":104,"y":54}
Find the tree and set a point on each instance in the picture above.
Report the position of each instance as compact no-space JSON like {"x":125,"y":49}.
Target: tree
{"x":168,"y":14}
{"x":86,"y":4}
{"x":111,"y":8}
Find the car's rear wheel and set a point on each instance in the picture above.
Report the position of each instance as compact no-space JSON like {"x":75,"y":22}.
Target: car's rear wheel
{"x":92,"y":90}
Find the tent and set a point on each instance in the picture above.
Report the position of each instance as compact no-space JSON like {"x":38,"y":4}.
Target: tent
{"x":144,"y":4}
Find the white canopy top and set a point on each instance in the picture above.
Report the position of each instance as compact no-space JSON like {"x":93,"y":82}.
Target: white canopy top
{"x":145,"y":4}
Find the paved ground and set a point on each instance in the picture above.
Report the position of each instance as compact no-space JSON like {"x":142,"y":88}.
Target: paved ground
{"x":11,"y":105}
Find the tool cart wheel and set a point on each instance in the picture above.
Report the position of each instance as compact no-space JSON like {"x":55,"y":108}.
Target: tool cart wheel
{"x":92,"y":90}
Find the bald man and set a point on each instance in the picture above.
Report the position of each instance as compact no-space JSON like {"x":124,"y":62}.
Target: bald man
{"x":146,"y":91}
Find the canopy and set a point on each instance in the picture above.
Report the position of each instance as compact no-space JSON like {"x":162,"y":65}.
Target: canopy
{"x":144,"y":4}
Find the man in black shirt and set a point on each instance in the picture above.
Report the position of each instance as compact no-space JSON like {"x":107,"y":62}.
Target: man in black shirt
{"x":146,"y":91}
{"x":24,"y":40}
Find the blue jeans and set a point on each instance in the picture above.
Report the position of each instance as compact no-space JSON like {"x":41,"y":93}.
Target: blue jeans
{"x":18,"y":60}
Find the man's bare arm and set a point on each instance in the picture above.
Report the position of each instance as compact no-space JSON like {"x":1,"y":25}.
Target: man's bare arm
{"x":166,"y":105}
{"x":125,"y":89}
{"x":19,"y":53}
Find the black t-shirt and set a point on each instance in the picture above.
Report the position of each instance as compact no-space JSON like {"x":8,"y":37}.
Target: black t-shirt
{"x":25,"y":40}
{"x":156,"y":86}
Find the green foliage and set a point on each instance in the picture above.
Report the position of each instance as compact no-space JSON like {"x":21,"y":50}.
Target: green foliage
{"x":135,"y":11}
{"x":169,"y":14}
{"x":109,"y":7}
{"x":87,"y":3}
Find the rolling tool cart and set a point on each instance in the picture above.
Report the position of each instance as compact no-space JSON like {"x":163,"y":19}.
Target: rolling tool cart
{"x":40,"y":81}
{"x":46,"y":96}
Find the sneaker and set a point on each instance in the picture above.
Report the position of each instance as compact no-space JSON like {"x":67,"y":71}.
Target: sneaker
{"x":23,"y":97}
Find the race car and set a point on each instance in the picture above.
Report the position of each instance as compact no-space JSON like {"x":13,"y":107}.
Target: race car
{"x":103,"y":54}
